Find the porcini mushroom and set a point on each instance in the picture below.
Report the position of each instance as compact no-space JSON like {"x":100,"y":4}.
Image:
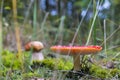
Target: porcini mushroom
{"x":76,"y":51}
{"x":35,"y":47}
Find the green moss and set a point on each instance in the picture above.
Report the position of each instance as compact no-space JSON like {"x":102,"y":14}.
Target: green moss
{"x":10,"y":60}
{"x":115,"y":72}
{"x":99,"y":72}
{"x":103,"y":72}
{"x":31,"y":74}
{"x":64,"y":65}
{"x":40,"y":72}
{"x":50,"y":63}
{"x":54,"y":63}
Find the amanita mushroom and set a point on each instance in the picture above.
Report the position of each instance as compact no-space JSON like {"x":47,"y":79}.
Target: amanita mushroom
{"x":35,"y":47}
{"x":76,"y":51}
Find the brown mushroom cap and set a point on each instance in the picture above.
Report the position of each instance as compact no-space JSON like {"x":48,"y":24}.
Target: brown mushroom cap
{"x":71,"y":50}
{"x":35,"y":45}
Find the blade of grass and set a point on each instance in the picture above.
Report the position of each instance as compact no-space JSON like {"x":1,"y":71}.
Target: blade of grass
{"x":78,"y":28}
{"x":112,"y":27}
{"x":111,"y":35}
{"x":28,"y":11}
{"x":44,"y":20}
{"x":117,"y":54}
{"x":17,"y":33}
{"x":42,"y":28}
{"x":94,"y":29}
{"x":34,"y":20}
{"x":59,"y":35}
{"x":105,"y":37}
{"x":93,"y":22}
{"x":1,"y":34}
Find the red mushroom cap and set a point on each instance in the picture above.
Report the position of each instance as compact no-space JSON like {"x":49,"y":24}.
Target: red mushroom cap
{"x":35,"y":45}
{"x":71,"y":50}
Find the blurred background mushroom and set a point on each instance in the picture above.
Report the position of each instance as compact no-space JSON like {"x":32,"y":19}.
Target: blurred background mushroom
{"x":35,"y":47}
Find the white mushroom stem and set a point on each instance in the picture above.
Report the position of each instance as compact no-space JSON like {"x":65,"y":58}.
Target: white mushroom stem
{"x":77,"y":64}
{"x":37,"y":56}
